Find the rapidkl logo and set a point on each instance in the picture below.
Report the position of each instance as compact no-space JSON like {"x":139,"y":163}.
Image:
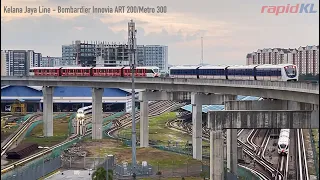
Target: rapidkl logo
{"x":298,"y":8}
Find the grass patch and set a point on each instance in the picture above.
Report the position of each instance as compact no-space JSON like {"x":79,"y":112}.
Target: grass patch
{"x":175,"y":178}
{"x":60,"y":133}
{"x":158,"y":130}
{"x":157,"y":158}
{"x":315,"y":134}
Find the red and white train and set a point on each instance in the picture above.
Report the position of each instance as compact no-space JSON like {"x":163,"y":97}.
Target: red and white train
{"x":150,"y":71}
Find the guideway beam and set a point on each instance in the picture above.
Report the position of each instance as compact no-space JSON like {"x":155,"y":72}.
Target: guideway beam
{"x":264,"y":119}
{"x":231,"y":133}
{"x":47,"y":111}
{"x":97,"y":113}
{"x":197,"y":100}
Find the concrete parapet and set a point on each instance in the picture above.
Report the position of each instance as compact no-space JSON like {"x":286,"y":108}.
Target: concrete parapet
{"x":295,"y":91}
{"x":47,"y":111}
{"x":263,"y":119}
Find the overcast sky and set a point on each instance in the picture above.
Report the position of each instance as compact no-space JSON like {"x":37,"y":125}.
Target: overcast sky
{"x":230,"y":28}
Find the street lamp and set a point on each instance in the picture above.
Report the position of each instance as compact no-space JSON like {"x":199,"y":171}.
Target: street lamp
{"x":41,"y":147}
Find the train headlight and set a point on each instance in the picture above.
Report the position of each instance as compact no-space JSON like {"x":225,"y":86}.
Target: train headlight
{"x":80,"y":115}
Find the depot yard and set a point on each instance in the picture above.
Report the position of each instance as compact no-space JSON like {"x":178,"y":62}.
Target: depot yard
{"x":7,"y":130}
{"x":176,"y":178}
{"x":161,"y":134}
{"x":60,"y":132}
{"x":158,"y":131}
{"x":163,"y":160}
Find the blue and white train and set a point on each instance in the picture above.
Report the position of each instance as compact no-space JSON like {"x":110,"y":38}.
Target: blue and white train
{"x":284,"y":140}
{"x":82,"y":112}
{"x":264,"y":72}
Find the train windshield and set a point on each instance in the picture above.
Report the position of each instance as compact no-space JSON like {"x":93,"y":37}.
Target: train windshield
{"x":282,"y":146}
{"x":155,"y":70}
{"x":290,"y":71}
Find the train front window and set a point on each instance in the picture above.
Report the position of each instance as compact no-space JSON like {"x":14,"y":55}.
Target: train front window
{"x":282,"y":146}
{"x":290,"y":70}
{"x":156,"y":70}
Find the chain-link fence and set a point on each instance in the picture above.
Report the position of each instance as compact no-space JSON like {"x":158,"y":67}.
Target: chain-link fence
{"x":33,"y":170}
{"x":315,"y":146}
{"x":125,"y":170}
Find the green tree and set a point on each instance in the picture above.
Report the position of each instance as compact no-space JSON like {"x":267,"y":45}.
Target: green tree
{"x":101,"y":174}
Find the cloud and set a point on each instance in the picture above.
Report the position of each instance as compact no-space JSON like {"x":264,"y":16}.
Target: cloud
{"x":230,"y":29}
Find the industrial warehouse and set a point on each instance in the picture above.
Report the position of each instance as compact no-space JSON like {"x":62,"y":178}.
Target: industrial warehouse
{"x":65,"y":99}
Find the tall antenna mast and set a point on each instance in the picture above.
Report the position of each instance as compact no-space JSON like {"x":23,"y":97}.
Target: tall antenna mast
{"x":201,"y":51}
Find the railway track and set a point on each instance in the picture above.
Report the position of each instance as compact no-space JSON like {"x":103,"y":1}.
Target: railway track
{"x":46,"y":151}
{"x":155,"y":109}
{"x":17,"y":134}
{"x":256,"y":152}
{"x":302,"y":173}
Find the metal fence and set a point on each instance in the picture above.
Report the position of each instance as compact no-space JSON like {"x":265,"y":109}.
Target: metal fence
{"x":314,"y":151}
{"x":125,"y":170}
{"x":34,"y":170}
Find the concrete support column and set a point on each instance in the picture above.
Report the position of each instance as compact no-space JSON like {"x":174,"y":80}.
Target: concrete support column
{"x":40,"y":107}
{"x":97,"y":113}
{"x":232,"y":151}
{"x":197,"y":131}
{"x":144,"y":124}
{"x":197,"y":100}
{"x":216,"y":155}
{"x":47,"y":111}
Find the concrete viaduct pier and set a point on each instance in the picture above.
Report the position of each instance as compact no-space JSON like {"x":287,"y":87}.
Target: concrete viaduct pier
{"x":197,"y":100}
{"x":246,"y":114}
{"x":47,"y":111}
{"x":96,"y":112}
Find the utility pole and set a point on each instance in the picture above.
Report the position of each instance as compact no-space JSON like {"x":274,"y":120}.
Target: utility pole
{"x":132,"y":45}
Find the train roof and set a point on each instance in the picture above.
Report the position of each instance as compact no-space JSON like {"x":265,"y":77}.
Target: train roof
{"x":242,"y":67}
{"x":212,"y":67}
{"x":85,"y":108}
{"x":143,"y":67}
{"x":147,"y":67}
{"x":118,"y":67}
{"x":185,"y":67}
{"x":76,"y":67}
{"x":271,"y":66}
{"x":45,"y":68}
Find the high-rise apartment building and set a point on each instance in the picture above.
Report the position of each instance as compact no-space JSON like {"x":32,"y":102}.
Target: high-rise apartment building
{"x":69,"y":55}
{"x":18,"y":62}
{"x":306,"y":58}
{"x":95,"y":54}
{"x":51,"y":61}
{"x":153,"y":55}
{"x":3,"y":64}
